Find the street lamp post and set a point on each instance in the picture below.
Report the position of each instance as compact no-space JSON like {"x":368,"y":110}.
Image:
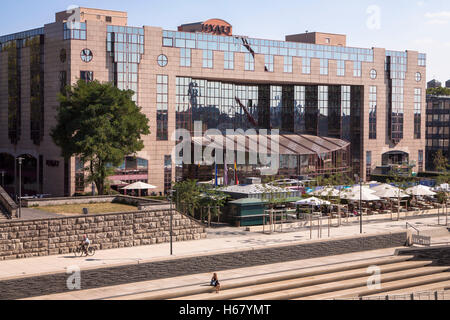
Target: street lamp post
{"x":360,"y":203}
{"x":171,"y":222}
{"x":20,"y":186}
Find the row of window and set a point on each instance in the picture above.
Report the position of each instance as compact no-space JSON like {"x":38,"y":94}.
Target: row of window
{"x":249,"y":63}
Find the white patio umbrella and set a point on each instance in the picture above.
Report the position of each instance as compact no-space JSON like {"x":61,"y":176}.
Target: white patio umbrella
{"x":139,"y":186}
{"x":420,"y":190}
{"x":326,"y":192}
{"x":391,"y":192}
{"x":313,"y":202}
{"x":356,"y":189}
{"x":364,"y":196}
{"x":443,"y":187}
{"x":382,"y":187}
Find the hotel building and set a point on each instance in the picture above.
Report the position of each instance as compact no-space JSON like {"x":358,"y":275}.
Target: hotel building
{"x":338,"y":108}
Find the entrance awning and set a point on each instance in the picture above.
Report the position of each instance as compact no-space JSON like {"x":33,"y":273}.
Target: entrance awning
{"x":289,"y":144}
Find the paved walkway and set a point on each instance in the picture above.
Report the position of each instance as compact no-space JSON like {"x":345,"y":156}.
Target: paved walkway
{"x":218,"y":241}
{"x":201,"y":279}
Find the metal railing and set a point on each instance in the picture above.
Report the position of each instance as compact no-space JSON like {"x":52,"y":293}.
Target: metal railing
{"x":425,"y":295}
{"x":413,"y":227}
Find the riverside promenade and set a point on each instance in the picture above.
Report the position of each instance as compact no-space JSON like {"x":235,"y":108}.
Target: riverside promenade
{"x":116,"y":268}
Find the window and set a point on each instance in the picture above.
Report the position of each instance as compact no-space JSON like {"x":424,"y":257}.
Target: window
{"x":62,"y":81}
{"x":306,"y":65}
{"x":357,"y":69}
{"x":268,"y":63}
{"x":327,"y":40}
{"x":208,"y":59}
{"x":373,"y":74}
{"x":162,"y":95}
{"x":422,"y":60}
{"x":228,"y":60}
{"x":323,"y":66}
{"x":288,"y":64}
{"x":167,"y":174}
{"x":368,"y":163}
{"x":162,"y":60}
{"x":418,"y":77}
{"x":249,"y":62}
{"x":79,"y":175}
{"x":185,"y":57}
{"x":108,"y":19}
{"x":340,"y":68}
{"x":420,"y":160}
{"x":417,"y":113}
{"x":87,"y":76}
{"x":373,"y":113}
{"x":74,"y":31}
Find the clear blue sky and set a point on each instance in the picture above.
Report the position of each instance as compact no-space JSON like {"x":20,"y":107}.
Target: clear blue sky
{"x":422,"y":25}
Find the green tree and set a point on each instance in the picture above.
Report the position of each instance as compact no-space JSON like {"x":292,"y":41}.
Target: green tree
{"x":440,"y":161}
{"x":188,"y":196}
{"x":439,"y":91}
{"x":101,"y":124}
{"x":213,"y":200}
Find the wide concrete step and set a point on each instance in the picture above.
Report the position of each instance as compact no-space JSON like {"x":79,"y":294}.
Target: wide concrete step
{"x":386,"y":287}
{"x":304,"y":281}
{"x":444,"y":285}
{"x":264,"y":278}
{"x":315,"y":292}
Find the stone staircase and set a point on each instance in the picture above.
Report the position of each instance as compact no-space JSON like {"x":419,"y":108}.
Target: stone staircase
{"x":4,"y":215}
{"x":339,"y":281}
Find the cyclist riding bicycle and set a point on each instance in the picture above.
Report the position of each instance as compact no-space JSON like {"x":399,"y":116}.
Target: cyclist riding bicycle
{"x":85,"y":244}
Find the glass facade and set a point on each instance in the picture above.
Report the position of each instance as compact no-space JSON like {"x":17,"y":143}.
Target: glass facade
{"x":36,"y":45}
{"x":396,"y":67}
{"x":126,"y":47}
{"x":373,"y":113}
{"x":259,"y":46}
{"x":14,"y":50}
{"x":417,"y":113}
{"x":437,"y":129}
{"x":162,"y":107}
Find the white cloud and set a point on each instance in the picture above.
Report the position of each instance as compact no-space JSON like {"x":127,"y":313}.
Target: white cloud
{"x":437,"y":21}
{"x":438,"y":15}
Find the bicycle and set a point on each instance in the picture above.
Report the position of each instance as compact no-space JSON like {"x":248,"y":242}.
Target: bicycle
{"x":79,"y":251}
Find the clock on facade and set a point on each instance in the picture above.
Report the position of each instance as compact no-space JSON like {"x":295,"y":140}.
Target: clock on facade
{"x":86,"y":55}
{"x":63,"y":55}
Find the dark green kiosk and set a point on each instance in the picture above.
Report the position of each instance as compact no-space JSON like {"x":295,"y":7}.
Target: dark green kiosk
{"x":246,"y":212}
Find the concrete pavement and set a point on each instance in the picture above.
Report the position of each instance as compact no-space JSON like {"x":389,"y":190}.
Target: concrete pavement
{"x":219,"y":241}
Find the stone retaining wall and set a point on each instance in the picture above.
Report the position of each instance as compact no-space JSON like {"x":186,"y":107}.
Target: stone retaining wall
{"x":86,"y":200}
{"x":24,"y":239}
